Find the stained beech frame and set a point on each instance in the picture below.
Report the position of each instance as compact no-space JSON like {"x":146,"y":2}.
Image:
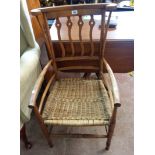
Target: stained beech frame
{"x":81,"y":63}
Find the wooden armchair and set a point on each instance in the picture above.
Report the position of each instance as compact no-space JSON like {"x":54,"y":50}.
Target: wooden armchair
{"x":76,"y":101}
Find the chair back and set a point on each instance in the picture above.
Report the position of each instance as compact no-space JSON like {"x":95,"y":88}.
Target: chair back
{"x":70,"y":58}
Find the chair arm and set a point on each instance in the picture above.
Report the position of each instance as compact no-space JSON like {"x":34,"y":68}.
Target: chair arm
{"x":38,"y":85}
{"x":115,"y":90}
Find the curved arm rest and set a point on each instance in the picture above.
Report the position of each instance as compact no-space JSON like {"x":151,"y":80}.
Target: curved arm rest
{"x":115,"y":89}
{"x":38,"y":85}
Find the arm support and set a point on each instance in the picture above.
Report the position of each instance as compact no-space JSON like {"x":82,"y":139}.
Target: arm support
{"x":115,"y":90}
{"x":38,"y":85}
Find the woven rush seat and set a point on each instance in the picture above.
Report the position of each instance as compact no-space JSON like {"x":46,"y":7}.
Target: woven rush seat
{"x":77,"y":101}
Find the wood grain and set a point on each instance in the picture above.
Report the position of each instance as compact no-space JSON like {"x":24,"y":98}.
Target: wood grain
{"x":80,"y":23}
{"x":91,"y":24}
{"x":69,"y":25}
{"x":78,"y":135}
{"x":77,"y":58}
{"x":80,"y":68}
{"x":45,"y":92}
{"x":58,"y":26}
{"x":115,"y":90}
{"x":119,"y":53}
{"x":109,"y":88}
{"x":38,"y":85}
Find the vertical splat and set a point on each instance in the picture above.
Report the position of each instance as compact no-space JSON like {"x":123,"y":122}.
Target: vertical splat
{"x":58,"y":26}
{"x":80,"y":24}
{"x":69,"y":25}
{"x":91,"y":24}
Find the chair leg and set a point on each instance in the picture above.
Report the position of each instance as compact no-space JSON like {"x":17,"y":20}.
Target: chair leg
{"x":110,"y":134}
{"x":111,"y":128}
{"x":43,"y":127}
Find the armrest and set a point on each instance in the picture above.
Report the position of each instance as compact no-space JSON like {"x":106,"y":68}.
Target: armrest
{"x":115,"y":90}
{"x":38,"y":85}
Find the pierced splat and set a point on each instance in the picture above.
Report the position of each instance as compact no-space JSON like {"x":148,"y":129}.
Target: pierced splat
{"x":91,"y":24}
{"x":80,"y":24}
{"x":69,"y":25}
{"x":58,"y":26}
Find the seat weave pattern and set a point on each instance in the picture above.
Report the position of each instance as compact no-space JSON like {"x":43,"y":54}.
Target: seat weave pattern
{"x":77,"y":101}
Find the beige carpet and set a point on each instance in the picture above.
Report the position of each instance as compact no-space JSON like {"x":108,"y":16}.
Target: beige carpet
{"x":122,"y":142}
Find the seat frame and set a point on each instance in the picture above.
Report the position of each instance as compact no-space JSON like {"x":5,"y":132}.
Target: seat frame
{"x":52,"y":66}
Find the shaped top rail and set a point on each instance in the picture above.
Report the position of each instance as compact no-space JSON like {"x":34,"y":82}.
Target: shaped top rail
{"x":106,"y":6}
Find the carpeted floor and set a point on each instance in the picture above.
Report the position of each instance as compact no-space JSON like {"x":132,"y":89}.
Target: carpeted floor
{"x":122,"y":142}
